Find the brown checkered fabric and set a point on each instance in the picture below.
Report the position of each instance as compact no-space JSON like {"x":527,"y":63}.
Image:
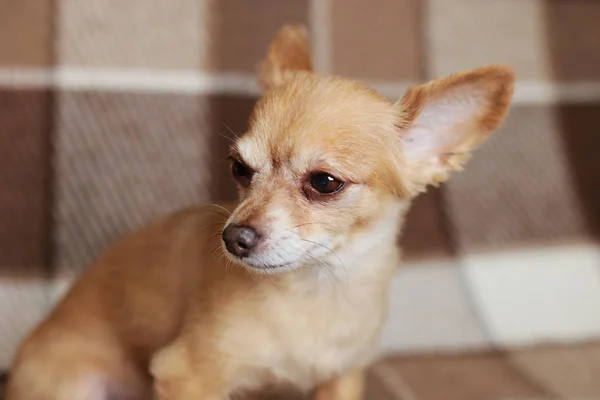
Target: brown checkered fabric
{"x":114,"y":112}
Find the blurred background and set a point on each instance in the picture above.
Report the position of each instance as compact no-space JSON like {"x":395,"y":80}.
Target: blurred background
{"x":113,"y":112}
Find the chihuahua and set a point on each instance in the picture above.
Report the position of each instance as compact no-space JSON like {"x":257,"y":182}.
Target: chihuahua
{"x":288,"y":287}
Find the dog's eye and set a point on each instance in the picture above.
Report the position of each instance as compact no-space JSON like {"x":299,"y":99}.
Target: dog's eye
{"x":325,"y":183}
{"x":241,"y":172}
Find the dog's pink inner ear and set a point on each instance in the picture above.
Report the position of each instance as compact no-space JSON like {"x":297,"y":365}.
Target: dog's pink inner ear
{"x":288,"y":53}
{"x":444,"y":120}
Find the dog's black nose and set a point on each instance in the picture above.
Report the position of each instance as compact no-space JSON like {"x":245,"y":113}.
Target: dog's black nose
{"x":240,"y":240}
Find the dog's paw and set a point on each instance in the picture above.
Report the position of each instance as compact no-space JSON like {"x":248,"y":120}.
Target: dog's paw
{"x":170,"y":372}
{"x":176,"y":377}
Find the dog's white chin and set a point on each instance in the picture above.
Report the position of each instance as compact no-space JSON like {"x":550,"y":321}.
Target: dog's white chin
{"x":267,"y":269}
{"x":271,"y":269}
{"x":257,"y":266}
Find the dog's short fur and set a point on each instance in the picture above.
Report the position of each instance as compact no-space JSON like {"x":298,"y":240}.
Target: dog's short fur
{"x":306,"y":304}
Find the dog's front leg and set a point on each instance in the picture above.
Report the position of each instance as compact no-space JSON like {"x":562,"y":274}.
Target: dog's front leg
{"x":349,"y":386}
{"x":178,"y":376}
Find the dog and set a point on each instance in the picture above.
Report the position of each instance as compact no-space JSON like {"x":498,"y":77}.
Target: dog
{"x":289,"y":285}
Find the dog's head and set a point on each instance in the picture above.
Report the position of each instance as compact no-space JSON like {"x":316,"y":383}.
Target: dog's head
{"x":327,"y":159}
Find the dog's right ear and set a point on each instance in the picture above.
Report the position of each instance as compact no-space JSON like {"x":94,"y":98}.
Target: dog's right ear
{"x":444,"y":121}
{"x":288,"y":53}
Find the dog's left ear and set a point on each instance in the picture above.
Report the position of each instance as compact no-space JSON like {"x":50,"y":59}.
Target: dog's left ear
{"x":443,"y":121}
{"x":288,"y":53}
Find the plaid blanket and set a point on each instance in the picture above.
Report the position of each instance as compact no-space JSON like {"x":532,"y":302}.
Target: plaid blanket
{"x":112,"y":112}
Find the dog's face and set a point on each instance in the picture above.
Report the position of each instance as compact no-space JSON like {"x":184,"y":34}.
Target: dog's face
{"x":326,"y":159}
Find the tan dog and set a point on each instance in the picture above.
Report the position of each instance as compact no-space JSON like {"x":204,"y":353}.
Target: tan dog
{"x":295,"y":292}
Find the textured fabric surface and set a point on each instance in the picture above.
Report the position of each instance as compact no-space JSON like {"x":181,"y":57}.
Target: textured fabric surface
{"x":112,"y":113}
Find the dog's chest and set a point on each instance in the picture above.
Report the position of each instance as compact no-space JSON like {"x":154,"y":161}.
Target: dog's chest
{"x":329,"y":338}
{"x":308,"y":339}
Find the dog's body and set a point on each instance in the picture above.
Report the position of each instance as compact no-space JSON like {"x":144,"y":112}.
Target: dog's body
{"x":326,"y":174}
{"x":300,"y":327}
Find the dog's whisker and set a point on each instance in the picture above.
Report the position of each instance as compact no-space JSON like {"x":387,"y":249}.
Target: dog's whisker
{"x":228,"y":263}
{"x":212,"y":237}
{"x":325,"y":247}
{"x":218,"y":234}
{"x":331,"y":251}
{"x":329,"y":271}
{"x":218,"y":252}
{"x":232,"y":132}
{"x":222,"y":208}
{"x":310,"y":223}
{"x":211,"y":226}
{"x":226,"y":137}
{"x":254,"y":273}
{"x":215,"y":212}
{"x":327,"y":267}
